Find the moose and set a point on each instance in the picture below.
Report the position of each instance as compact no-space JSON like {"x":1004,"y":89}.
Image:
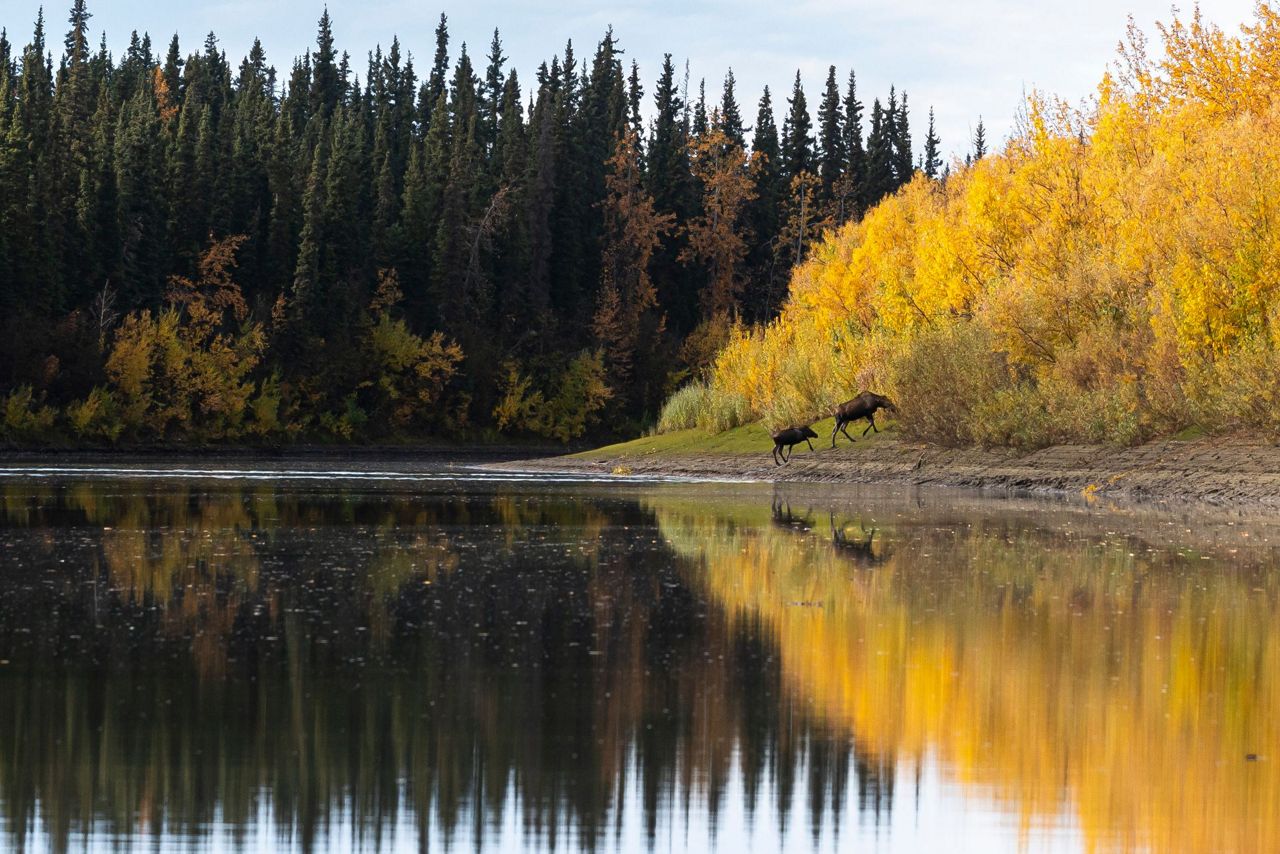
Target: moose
{"x":788,"y":439}
{"x":865,"y":406}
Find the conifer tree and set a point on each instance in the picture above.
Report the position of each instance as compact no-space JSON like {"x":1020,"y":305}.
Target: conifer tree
{"x":931,"y":162}
{"x":307,"y":294}
{"x":635,"y":96}
{"x":534,"y":298}
{"x":730,"y":114}
{"x":173,"y":63}
{"x":979,"y":141}
{"x":889,"y":140}
{"x":880,"y":155}
{"x":903,"y":163}
{"x":832,"y":153}
{"x":763,"y":290}
{"x":666,"y":142}
{"x":494,"y":84}
{"x":438,"y":77}
{"x":326,"y":80}
{"x":671,"y":186}
{"x":797,"y":136}
{"x":700,"y":120}
{"x":851,"y":189}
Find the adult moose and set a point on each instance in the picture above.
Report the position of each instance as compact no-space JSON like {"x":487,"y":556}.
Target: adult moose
{"x":789,"y":438}
{"x":865,"y":406}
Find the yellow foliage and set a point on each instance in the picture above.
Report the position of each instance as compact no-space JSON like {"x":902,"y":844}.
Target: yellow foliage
{"x":24,"y":416}
{"x":1060,"y":676}
{"x":1119,"y":251}
{"x":179,"y":370}
{"x":580,"y":395}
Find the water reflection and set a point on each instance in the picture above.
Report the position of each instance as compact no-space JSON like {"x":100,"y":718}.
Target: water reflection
{"x":590,"y":667}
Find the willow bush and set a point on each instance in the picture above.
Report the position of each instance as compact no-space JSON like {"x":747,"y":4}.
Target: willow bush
{"x":1113,"y":274}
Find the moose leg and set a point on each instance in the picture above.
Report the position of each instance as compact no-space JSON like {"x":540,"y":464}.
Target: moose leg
{"x":835,"y":431}
{"x":787,"y":452}
{"x":871,"y":423}
{"x":810,"y":444}
{"x":844,"y":428}
{"x":775,"y":455}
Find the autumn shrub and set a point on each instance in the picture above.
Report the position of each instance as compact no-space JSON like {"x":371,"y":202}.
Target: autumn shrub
{"x":1240,"y":390}
{"x":519,"y":407}
{"x":265,"y":409}
{"x":946,"y":379}
{"x":580,"y":394}
{"x":26,"y":417}
{"x":97,"y":417}
{"x":1111,"y":275}
{"x":409,"y":374}
{"x":186,"y":369}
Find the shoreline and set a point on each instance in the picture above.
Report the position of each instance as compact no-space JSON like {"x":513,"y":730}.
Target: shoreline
{"x":1220,"y":471}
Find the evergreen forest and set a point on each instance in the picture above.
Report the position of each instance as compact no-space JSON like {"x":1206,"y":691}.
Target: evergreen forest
{"x":398,"y":246}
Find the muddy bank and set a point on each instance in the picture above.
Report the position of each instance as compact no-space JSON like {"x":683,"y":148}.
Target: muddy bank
{"x":1219,"y":470}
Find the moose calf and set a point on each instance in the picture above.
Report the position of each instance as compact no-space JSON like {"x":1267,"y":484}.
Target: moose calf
{"x":789,"y":438}
{"x":862,"y":406}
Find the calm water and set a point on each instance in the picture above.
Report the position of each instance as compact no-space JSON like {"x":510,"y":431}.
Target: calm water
{"x":399,"y":657}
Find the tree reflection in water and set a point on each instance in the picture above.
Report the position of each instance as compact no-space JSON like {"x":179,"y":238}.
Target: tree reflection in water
{"x":181,"y":657}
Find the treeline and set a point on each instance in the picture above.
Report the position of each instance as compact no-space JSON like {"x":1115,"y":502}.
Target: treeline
{"x":192,"y":249}
{"x":1111,"y":275}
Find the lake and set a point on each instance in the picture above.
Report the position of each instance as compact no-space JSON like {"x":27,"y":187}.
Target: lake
{"x":267,"y":654}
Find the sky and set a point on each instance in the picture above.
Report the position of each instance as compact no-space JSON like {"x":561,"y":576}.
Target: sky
{"x":965,"y":59}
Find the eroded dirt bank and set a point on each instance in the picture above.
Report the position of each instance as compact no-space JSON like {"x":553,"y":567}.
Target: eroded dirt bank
{"x":1218,"y":470}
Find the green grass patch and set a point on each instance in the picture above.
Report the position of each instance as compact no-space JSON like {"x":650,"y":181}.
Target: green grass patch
{"x":1187,"y":434}
{"x":747,"y":439}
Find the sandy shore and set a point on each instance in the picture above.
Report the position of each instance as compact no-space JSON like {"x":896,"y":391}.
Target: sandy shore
{"x":1219,"y":470}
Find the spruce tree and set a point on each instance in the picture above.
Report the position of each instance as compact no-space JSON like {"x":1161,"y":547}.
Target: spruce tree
{"x":173,"y":63}
{"x":846,"y":195}
{"x":635,"y":96}
{"x":534,"y":298}
{"x":700,"y":120}
{"x":666,"y":143}
{"x":931,"y":161}
{"x":762,"y":293}
{"x":307,"y":291}
{"x":979,"y":141}
{"x":326,"y":81}
{"x":832,"y":154}
{"x":903,"y":163}
{"x":797,"y":134}
{"x":880,"y":150}
{"x":730,"y":114}
{"x":139,"y":158}
{"x":491,"y":102}
{"x":670,"y":184}
{"x":438,"y":77}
